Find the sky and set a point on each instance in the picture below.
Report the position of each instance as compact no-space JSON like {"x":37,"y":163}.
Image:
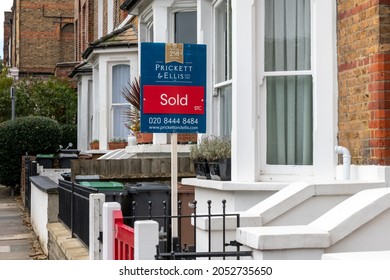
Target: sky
{"x":5,"y":5}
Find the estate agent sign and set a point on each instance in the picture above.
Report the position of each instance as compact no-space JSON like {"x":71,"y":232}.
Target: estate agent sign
{"x":173,"y":88}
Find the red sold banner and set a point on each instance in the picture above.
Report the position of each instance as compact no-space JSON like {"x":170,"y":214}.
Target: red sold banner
{"x":173,"y":99}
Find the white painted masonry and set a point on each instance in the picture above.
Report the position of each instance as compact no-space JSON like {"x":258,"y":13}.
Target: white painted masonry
{"x":360,"y":223}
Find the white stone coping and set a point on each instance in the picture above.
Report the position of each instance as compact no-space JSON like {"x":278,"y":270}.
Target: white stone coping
{"x":370,"y":255}
{"x":288,"y":237}
{"x":327,"y":230}
{"x":234,"y":186}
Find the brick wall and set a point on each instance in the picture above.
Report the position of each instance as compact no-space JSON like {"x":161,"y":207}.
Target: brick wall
{"x":105,"y":17}
{"x":7,"y":36}
{"x":364,"y":78}
{"x":45,"y":35}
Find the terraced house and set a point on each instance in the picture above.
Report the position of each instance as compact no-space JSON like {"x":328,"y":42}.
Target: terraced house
{"x":301,"y":88}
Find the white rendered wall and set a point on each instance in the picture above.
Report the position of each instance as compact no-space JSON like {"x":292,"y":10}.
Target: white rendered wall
{"x":372,"y":236}
{"x":53,"y":174}
{"x":235,"y":200}
{"x":307,"y":211}
{"x":44,"y":210}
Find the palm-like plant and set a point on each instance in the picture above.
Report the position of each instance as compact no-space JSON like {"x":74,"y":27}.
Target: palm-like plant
{"x":132,"y":94}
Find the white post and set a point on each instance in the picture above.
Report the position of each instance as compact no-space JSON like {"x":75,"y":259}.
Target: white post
{"x":174,"y":183}
{"x":145,"y":240}
{"x":96,"y":201}
{"x":244,"y":97}
{"x":109,"y":229}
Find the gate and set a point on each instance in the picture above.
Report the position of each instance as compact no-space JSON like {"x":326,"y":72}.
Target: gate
{"x":124,"y":239}
{"x":172,"y":248}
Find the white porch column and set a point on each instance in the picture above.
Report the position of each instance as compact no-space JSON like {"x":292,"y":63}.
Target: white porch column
{"x":161,"y":35}
{"x":244,"y":112}
{"x":325,"y":87}
{"x":205,"y":36}
{"x":103,"y":104}
{"x":83,"y":114}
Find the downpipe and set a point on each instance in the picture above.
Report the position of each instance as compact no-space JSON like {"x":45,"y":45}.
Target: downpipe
{"x":346,"y":161}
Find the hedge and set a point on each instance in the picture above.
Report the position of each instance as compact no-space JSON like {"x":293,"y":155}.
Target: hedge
{"x":25,"y":135}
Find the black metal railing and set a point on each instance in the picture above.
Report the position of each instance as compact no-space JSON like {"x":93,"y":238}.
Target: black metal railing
{"x":30,"y":170}
{"x":173,"y":247}
{"x":74,"y":208}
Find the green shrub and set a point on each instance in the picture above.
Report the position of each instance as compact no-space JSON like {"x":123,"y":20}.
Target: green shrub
{"x":69,"y":135}
{"x":26,"y":135}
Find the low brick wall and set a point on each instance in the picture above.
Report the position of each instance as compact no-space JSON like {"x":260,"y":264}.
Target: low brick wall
{"x":62,"y":246}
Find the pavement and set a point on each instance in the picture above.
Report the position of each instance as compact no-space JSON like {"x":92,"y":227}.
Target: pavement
{"x":17,"y":238}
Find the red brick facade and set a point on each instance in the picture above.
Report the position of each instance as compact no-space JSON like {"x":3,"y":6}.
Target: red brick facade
{"x":364,"y":79}
{"x":7,"y":38}
{"x":84,"y":19}
{"x":44,"y":35}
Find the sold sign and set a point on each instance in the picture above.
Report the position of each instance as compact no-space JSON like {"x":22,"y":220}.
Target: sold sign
{"x":173,"y":99}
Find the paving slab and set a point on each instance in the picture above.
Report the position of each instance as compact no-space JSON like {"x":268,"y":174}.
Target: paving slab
{"x":17,"y":239}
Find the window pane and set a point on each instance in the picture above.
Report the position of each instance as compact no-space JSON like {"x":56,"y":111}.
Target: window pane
{"x":287,"y":35}
{"x":119,"y":128}
{"x":226,"y":110}
{"x":289,"y":120}
{"x":223,"y":34}
{"x":120,"y":79}
{"x":185,"y":28}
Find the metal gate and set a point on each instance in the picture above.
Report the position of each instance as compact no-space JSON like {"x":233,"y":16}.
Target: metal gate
{"x":172,"y":248}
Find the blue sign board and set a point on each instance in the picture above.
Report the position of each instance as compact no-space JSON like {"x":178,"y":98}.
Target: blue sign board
{"x":173,"y":88}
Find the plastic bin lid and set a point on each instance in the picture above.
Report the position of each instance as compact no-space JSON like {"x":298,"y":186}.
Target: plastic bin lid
{"x":68,"y":156}
{"x":69,"y":151}
{"x":101,"y":184}
{"x":148,"y":187}
{"x":45,"y":156}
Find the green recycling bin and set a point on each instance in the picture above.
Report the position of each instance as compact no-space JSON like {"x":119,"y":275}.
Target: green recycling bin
{"x":102,"y":186}
{"x":45,"y":160}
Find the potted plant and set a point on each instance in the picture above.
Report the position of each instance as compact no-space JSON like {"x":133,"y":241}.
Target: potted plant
{"x":198,"y":158}
{"x":94,"y":144}
{"x":132,"y":94}
{"x":218,"y":156}
{"x":117,"y":143}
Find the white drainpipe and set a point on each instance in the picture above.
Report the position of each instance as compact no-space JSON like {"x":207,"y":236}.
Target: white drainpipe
{"x":346,"y":161}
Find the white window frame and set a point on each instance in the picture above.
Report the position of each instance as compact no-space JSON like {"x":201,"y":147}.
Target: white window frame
{"x":217,"y":86}
{"x":146,"y":33}
{"x":324,"y":96}
{"x":179,"y":7}
{"x":111,"y":66}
